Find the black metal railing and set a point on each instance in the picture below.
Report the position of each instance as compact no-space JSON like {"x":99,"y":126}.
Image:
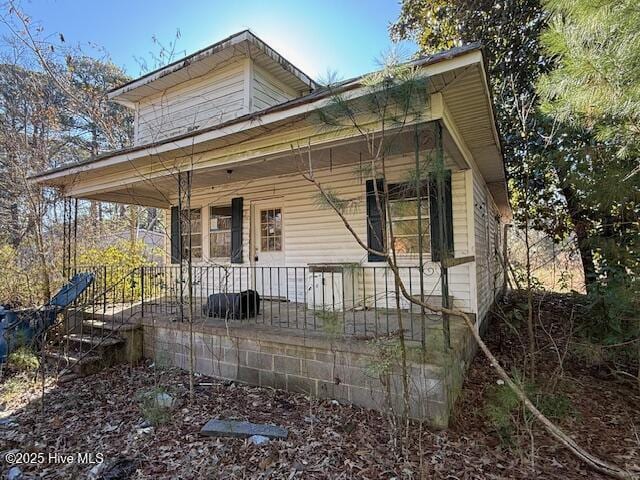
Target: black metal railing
{"x":337,"y":299}
{"x":354,"y":300}
{"x":114,"y":298}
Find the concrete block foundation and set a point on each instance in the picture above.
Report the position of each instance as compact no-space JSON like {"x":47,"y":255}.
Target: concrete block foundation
{"x":349,"y":370}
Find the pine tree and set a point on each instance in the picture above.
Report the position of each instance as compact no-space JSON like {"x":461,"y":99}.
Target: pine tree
{"x":596,"y":84}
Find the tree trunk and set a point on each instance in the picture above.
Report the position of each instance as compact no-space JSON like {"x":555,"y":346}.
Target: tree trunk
{"x":42,"y":258}
{"x":580,"y":225}
{"x":14,"y":223}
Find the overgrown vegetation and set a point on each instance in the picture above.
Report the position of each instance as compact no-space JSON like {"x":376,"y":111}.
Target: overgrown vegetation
{"x":504,"y":409}
{"x":24,"y":359}
{"x":154,"y":409}
{"x":117,"y":267}
{"x":388,"y":100}
{"x":21,"y":285}
{"x":54,"y":111}
{"x":564,"y":75}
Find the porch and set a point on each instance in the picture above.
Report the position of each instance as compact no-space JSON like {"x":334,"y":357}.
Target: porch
{"x":327,"y":317}
{"x":335,"y":300}
{"x":345,"y":348}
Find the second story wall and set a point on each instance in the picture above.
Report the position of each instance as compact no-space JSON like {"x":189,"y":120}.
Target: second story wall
{"x":236,"y":88}
{"x":210,"y":99}
{"x":266,"y":90}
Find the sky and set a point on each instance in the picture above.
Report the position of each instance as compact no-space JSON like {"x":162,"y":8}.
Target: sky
{"x":346,"y":37}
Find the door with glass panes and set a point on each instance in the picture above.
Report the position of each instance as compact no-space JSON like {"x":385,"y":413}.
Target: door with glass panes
{"x":269,"y":254}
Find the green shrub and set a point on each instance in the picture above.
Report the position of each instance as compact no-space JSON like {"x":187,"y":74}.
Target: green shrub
{"x":500,"y":409}
{"x":24,"y":359}
{"x":117,"y":262}
{"x":554,"y":406}
{"x":505,"y":413}
{"x":611,"y":315}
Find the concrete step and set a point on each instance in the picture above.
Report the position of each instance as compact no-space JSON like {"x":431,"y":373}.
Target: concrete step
{"x":80,"y":364}
{"x":100,"y":341}
{"x":108,"y":345}
{"x":101,"y":327}
{"x":117,"y":341}
{"x":110,"y":315}
{"x":98,"y":351}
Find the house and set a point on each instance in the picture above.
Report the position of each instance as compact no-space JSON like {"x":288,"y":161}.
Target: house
{"x":224,"y":139}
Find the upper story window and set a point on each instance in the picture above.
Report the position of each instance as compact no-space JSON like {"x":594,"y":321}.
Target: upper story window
{"x":220,"y":232}
{"x":193,"y":233}
{"x":403,"y":206}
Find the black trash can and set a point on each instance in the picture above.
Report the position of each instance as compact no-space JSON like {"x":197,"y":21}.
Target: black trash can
{"x":234,"y":306}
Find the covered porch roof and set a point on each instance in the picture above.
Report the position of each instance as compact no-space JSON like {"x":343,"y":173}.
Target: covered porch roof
{"x":268,"y":143}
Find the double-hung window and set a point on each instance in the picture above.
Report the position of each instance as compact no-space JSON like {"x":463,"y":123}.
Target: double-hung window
{"x":192,"y":230}
{"x":403,"y":207}
{"x":220,"y":232}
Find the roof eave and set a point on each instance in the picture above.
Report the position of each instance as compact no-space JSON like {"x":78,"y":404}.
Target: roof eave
{"x":118,"y":94}
{"x":298,"y":106}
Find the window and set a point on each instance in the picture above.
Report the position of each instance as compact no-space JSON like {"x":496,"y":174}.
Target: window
{"x":219,"y":232}
{"x":271,"y":230}
{"x":195,"y":217}
{"x":403,"y":206}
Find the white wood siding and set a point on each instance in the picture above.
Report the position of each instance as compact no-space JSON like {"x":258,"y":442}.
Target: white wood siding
{"x":198,"y":103}
{"x":488,"y":234}
{"x":314,"y":234}
{"x":236,"y":88}
{"x":267,"y":90}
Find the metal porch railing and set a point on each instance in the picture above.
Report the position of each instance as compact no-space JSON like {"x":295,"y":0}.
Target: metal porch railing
{"x":335,"y":299}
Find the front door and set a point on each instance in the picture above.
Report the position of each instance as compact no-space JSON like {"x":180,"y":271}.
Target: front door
{"x":269,"y":253}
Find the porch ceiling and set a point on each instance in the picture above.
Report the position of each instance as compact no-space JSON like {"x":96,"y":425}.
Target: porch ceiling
{"x":162,"y":191}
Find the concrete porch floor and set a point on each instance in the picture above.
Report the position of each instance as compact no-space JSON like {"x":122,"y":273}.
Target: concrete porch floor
{"x":358,"y":323}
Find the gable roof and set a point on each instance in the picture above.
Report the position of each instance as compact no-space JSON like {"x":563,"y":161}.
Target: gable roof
{"x":243,"y":43}
{"x":466,"y":93}
{"x":254,"y":118}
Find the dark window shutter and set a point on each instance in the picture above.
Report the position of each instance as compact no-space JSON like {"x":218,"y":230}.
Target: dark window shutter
{"x":434,"y":212}
{"x":375,"y":220}
{"x":236,"y":229}
{"x":175,"y":235}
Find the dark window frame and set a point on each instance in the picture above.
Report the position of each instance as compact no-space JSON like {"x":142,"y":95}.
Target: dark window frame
{"x":220,"y":212}
{"x":406,"y":192}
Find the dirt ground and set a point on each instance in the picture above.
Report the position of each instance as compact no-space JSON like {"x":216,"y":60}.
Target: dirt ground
{"x":101,"y":414}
